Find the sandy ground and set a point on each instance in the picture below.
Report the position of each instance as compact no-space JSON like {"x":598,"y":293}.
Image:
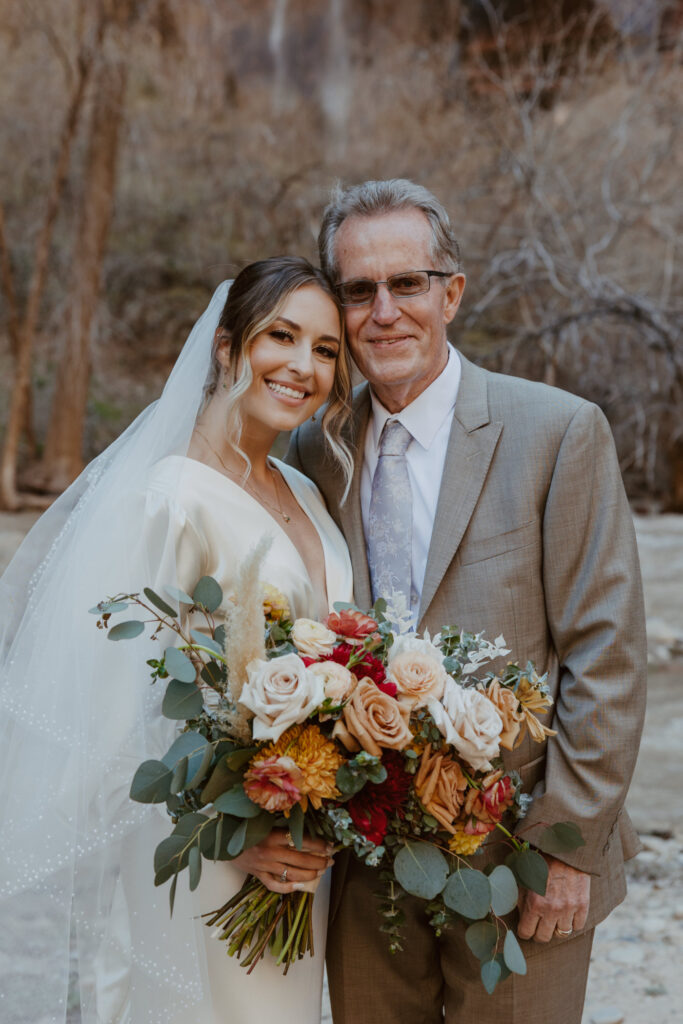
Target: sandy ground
{"x":637,"y":965}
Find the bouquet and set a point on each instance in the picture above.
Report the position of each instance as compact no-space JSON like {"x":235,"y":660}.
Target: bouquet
{"x":354,"y":730}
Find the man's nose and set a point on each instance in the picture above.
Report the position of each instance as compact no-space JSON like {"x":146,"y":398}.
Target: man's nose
{"x":384,"y":306}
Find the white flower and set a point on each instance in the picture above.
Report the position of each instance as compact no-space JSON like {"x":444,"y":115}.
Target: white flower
{"x":312,"y":638}
{"x":337,"y":680}
{"x":419,"y":677}
{"x":419,"y":645}
{"x":469,"y":722}
{"x":487,"y":651}
{"x":280,"y":693}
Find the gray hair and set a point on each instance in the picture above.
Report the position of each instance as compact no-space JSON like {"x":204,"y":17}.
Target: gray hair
{"x":373,"y":198}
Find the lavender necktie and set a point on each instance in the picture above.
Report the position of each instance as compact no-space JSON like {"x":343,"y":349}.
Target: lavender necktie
{"x":390,"y":523}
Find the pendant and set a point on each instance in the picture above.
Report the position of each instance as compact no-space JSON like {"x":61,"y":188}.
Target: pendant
{"x":286,"y":518}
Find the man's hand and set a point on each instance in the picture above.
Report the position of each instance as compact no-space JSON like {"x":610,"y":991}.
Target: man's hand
{"x":564,"y":906}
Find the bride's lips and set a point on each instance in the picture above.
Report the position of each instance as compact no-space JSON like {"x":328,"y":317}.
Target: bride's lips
{"x":284,"y":391}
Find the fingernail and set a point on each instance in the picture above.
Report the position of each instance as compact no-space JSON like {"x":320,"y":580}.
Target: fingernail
{"x":298,"y":886}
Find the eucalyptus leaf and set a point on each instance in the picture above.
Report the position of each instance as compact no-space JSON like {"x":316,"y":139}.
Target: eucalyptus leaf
{"x":504,"y":891}
{"x":170,"y":857}
{"x":341,"y":606}
{"x":195,"y":865}
{"x":189,"y":744}
{"x":219,"y":836}
{"x":560,"y":838}
{"x":195,"y":780}
{"x":179,"y":665}
{"x":481,"y":937}
{"x":171,"y":893}
{"x":236,"y":844}
{"x":220,"y":636}
{"x":531,"y":870}
{"x":468,"y":893}
{"x":212,"y":673}
{"x":512,"y":954}
{"x":240,"y":757}
{"x":206,"y":641}
{"x":151,"y":783}
{"x":504,"y":969}
{"x":179,"y":775}
{"x":258,"y":828}
{"x":208,"y":593}
{"x":181,"y":701}
{"x":159,"y":603}
{"x":348,"y":781}
{"x":236,"y":802}
{"x":222,"y":779}
{"x":178,"y":595}
{"x":490,"y":975}
{"x":296,"y":825}
{"x":421,"y":869}
{"x":126,"y":630}
{"x":109,"y":607}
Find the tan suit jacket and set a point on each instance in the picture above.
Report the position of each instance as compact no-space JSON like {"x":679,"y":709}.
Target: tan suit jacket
{"x":533,"y":538}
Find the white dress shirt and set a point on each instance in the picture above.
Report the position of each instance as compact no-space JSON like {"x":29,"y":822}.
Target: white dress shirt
{"x":428,"y":418}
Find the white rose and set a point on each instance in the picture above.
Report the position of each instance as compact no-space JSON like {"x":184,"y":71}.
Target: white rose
{"x":337,"y":680}
{"x":418,"y":676}
{"x":280,"y":693}
{"x":412,"y":642}
{"x":469,"y":722}
{"x":312,"y":638}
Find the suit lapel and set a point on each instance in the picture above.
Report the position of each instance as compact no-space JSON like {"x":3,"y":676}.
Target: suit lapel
{"x":350,"y":515}
{"x":471,"y":445}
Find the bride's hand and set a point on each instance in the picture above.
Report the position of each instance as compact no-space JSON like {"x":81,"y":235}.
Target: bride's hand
{"x":269,"y":859}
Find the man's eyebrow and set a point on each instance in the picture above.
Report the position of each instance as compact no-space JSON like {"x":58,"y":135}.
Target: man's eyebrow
{"x":297,"y":327}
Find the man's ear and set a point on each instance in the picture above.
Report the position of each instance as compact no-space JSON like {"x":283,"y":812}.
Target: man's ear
{"x":454,"y":292}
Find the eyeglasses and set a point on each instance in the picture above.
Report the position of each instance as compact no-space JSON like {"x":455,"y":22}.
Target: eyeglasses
{"x":361,"y":290}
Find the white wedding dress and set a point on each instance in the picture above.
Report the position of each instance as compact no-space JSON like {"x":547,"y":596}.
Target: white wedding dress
{"x":198,"y":522}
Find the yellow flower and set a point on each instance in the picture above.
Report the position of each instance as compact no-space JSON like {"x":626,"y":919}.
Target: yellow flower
{"x":275,"y":604}
{"x":463,"y":843}
{"x":316,"y":757}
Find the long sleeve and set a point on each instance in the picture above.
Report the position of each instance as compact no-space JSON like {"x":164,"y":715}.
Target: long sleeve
{"x":596,"y":618}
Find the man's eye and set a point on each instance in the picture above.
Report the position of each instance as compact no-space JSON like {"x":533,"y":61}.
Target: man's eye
{"x":406,"y":283}
{"x":360,"y":290}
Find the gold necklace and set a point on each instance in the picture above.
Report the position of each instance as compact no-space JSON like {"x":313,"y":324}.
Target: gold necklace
{"x":249,"y":487}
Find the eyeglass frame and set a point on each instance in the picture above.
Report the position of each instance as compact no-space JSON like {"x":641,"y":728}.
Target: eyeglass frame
{"x":404,"y":273}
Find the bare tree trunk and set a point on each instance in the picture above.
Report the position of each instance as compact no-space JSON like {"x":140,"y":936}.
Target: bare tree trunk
{"x":63,"y":459}
{"x":9,"y":497}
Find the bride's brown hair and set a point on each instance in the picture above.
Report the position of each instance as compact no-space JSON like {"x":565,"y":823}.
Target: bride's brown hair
{"x":255,"y":300}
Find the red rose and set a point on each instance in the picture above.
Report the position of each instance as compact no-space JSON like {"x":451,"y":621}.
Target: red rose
{"x":351,"y":623}
{"x":371,"y":809}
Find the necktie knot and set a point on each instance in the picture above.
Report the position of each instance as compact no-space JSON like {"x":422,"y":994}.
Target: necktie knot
{"x":395,"y":439}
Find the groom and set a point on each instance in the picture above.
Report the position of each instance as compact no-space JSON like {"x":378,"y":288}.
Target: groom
{"x":500,"y":503}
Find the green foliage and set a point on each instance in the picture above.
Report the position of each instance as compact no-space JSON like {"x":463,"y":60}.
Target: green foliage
{"x":181,"y":701}
{"x":159,"y":603}
{"x":481,"y":937}
{"x":151,"y":783}
{"x":560,"y":838}
{"x":468,"y":893}
{"x":178,"y":595}
{"x":504,"y":891}
{"x":530,"y":870}
{"x":296,"y":825}
{"x":512,"y":954}
{"x":126,"y":630}
{"x":353,"y":775}
{"x":490,"y":975}
{"x":208,"y":594}
{"x":237,"y":803}
{"x":421,"y":869}
{"x":179,"y":665}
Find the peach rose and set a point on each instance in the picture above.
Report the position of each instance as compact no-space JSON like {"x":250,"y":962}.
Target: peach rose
{"x":507,"y":705}
{"x":312,"y":638}
{"x":418,"y":677}
{"x":337,"y":680}
{"x":373,"y":720}
{"x":469,"y":722}
{"x":280,"y":693}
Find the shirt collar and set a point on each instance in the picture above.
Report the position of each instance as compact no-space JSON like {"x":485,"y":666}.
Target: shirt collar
{"x":426,"y":413}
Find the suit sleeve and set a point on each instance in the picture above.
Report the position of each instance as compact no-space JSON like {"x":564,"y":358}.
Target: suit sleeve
{"x":293,"y":456}
{"x":595,"y":615}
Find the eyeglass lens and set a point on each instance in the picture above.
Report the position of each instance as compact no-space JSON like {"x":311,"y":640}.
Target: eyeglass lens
{"x":362,"y":289}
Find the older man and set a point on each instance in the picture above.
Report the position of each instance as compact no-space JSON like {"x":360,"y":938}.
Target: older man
{"x":496,"y":504}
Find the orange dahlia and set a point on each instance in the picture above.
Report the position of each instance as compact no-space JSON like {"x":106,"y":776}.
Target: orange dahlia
{"x":316,"y":757}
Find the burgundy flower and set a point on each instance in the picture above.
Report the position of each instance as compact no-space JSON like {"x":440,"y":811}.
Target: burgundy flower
{"x":371,"y":808}
{"x":369,"y":666}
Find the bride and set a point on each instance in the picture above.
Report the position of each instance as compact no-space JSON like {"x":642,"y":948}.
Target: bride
{"x":186,"y":491}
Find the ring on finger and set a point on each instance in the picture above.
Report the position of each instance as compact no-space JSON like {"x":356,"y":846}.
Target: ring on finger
{"x":283,"y":876}
{"x":561,"y":931}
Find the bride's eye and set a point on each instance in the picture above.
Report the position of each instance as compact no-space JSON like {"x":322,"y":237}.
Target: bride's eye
{"x":327,"y":351}
{"x":280,"y":334}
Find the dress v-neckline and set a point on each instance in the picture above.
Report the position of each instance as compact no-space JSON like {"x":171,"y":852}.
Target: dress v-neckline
{"x":288,"y":478}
